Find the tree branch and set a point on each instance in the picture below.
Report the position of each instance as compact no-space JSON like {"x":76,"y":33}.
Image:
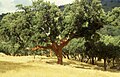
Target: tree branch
{"x":38,"y":47}
{"x":64,"y":42}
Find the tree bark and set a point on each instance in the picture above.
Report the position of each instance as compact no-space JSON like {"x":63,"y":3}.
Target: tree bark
{"x":59,"y":57}
{"x":57,"y":48}
{"x":68,"y":56}
{"x":105,"y":65}
{"x":93,"y":61}
{"x":58,"y":51}
{"x":113,"y":61}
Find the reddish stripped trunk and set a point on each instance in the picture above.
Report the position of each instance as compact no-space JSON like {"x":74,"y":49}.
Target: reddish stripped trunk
{"x":57,"y":48}
{"x":59,"y":57}
{"x":58,"y":51}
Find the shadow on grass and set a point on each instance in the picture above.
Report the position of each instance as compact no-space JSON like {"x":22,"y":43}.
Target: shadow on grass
{"x":51,"y":62}
{"x":7,"y":66}
{"x":48,"y":58}
{"x":108,"y":69}
{"x":82,"y":65}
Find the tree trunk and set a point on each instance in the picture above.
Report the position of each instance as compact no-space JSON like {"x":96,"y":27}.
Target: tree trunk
{"x":99,"y":59}
{"x":50,"y":53}
{"x":68,"y":56}
{"x":82,"y":57}
{"x":75,"y":57}
{"x":63,"y":55}
{"x":93,"y":60}
{"x":59,"y":57}
{"x":57,"y":48}
{"x":58,"y":52}
{"x":113,"y":61}
{"x":88,"y":60}
{"x":105,"y":65}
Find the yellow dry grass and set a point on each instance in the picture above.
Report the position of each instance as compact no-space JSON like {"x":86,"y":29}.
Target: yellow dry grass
{"x":26,"y":66}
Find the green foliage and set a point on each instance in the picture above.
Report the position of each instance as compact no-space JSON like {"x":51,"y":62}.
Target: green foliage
{"x":8,"y":48}
{"x":75,"y":44}
{"x":15,"y":29}
{"x":114,"y":17}
{"x":110,"y":34}
{"x":112,"y":27}
{"x":84,"y":18}
{"x":49,"y":20}
{"x":40,"y":23}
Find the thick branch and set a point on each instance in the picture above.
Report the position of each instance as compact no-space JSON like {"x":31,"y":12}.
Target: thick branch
{"x":54,"y":47}
{"x":64,"y":42}
{"x":38,"y":47}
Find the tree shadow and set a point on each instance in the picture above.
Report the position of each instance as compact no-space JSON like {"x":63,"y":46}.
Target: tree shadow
{"x":69,"y":63}
{"x":72,"y":64}
{"x":7,"y":66}
{"x":51,"y":62}
{"x":100,"y":66}
{"x":48,"y":58}
{"x":82,"y":65}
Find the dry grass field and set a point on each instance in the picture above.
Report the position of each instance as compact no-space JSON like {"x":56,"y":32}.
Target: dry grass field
{"x":27,"y":66}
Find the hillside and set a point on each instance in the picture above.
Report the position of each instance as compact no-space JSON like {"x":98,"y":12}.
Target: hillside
{"x":108,"y":5}
{"x":26,"y":66}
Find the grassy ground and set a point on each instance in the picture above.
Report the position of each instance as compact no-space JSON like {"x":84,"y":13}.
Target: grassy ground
{"x":26,"y":66}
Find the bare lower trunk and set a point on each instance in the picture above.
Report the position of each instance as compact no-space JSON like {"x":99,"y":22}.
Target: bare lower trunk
{"x":68,"y":56}
{"x":63,"y":55}
{"x":50,"y":53}
{"x":59,"y":57}
{"x":93,"y":60}
{"x":99,"y":59}
{"x":114,"y":61}
{"x":82,"y":57}
{"x":105,"y":65}
{"x":88,"y":60}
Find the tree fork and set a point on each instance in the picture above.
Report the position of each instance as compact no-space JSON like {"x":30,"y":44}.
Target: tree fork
{"x":57,"y":48}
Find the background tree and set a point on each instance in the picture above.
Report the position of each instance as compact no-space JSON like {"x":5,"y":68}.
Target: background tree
{"x":88,"y":17}
{"x":110,"y":35}
{"x":75,"y":49}
{"x":16,"y":27}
